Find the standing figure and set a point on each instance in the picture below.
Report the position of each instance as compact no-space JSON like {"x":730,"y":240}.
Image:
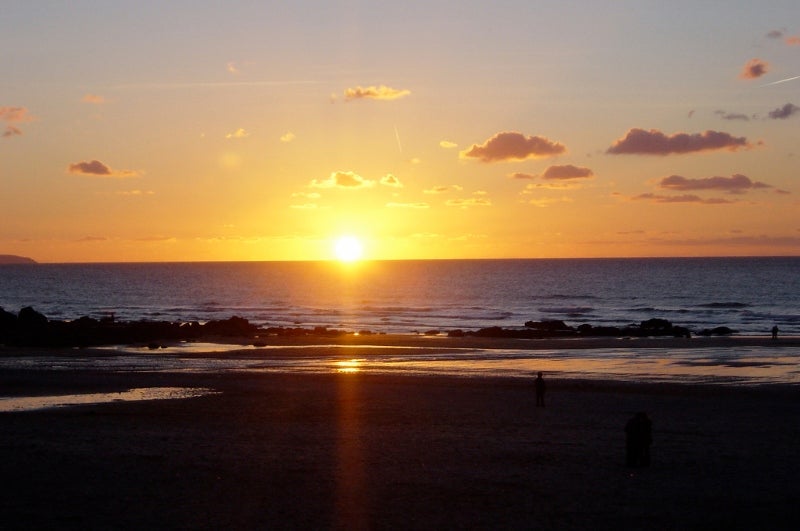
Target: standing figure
{"x":775,"y":332}
{"x":638,"y":438}
{"x":540,"y":389}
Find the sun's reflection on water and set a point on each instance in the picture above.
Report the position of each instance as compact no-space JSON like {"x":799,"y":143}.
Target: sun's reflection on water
{"x":349,"y":366}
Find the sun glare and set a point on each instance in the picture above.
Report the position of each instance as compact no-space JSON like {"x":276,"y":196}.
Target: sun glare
{"x":348,"y":249}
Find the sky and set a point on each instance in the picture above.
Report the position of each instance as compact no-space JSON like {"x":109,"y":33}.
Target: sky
{"x":243,"y":130}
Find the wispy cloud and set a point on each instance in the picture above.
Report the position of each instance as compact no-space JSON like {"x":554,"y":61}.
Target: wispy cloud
{"x":443,"y":189}
{"x":754,"y":69}
{"x":343,"y":179}
{"x":781,"y":113}
{"x":513,"y":146}
{"x":446,"y":144}
{"x":735,"y":184}
{"x":287,"y":137}
{"x":468,"y":202}
{"x":95,"y":168}
{"x":239,"y":133}
{"x":94,"y":99}
{"x":381,"y":92}
{"x":732,"y":116}
{"x":687,"y":198}
{"x":653,"y":142}
{"x":13,"y":115}
{"x":420,"y":205}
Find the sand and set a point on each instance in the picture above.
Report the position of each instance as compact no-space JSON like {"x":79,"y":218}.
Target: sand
{"x":368,"y":451}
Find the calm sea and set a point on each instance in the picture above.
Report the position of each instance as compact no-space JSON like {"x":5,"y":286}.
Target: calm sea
{"x":747,"y":294}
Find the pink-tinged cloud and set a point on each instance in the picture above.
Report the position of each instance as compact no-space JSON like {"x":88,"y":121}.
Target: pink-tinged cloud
{"x":754,"y":69}
{"x":343,"y":179}
{"x":13,"y":115}
{"x":568,"y":171}
{"x":654,"y":142}
{"x":95,"y":168}
{"x":793,"y":41}
{"x":688,"y":198}
{"x":381,"y":92}
{"x":93,"y":99}
{"x":509,"y":146}
{"x":735,"y":184}
{"x":781,"y":113}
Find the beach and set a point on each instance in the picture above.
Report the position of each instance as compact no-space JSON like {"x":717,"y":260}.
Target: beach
{"x":351,"y":450}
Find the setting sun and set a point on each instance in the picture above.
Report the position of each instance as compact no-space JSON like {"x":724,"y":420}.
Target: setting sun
{"x":348,"y":249}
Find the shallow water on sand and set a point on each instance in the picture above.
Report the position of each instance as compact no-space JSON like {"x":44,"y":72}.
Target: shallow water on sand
{"x":746,"y":365}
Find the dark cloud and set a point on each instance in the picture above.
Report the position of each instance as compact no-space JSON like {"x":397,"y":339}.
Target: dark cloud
{"x":98,"y":169}
{"x":508,"y":146}
{"x":732,"y":116}
{"x":11,"y":131}
{"x":781,"y":113}
{"x":775,"y":34}
{"x":735,"y":184}
{"x":654,"y":142}
{"x":754,"y":69}
{"x":567,"y":171}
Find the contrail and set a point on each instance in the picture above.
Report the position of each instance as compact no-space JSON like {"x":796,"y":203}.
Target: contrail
{"x":397,"y":135}
{"x":780,"y":81}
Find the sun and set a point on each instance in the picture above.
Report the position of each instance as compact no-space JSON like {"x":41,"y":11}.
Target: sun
{"x":348,"y":249}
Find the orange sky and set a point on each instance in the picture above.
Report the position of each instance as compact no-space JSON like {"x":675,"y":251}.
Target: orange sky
{"x":199,"y":131}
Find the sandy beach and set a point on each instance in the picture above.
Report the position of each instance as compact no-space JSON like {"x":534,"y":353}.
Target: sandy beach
{"x":369,"y":451}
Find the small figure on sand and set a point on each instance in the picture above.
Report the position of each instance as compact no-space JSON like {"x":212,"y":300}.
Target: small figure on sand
{"x":775,"y":332}
{"x":540,"y":389}
{"x":638,"y":437}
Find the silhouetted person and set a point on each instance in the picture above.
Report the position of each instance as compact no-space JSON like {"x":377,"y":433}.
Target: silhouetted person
{"x":774,"y":332}
{"x":638,"y":437}
{"x":540,"y":389}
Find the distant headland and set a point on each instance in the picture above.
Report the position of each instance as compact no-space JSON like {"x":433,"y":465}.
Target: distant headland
{"x":14,"y":259}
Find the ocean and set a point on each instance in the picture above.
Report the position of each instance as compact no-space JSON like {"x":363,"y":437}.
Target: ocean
{"x":749,"y":295}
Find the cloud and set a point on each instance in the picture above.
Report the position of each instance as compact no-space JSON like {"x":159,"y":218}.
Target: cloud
{"x":523,"y":176}
{"x":567,"y":171}
{"x":443,"y":189}
{"x":640,"y":142}
{"x":95,"y":168}
{"x":470,"y":202}
{"x":239,"y":133}
{"x":775,"y":34}
{"x":545,"y":202}
{"x":507,"y":146}
{"x":754,"y":69}
{"x":408,"y":205}
{"x":12,"y":131}
{"x":732,"y":116}
{"x":381,"y":92}
{"x":94,"y":99}
{"x":13,"y":115}
{"x":688,"y":198}
{"x":343,"y":179}
{"x":793,"y":41}
{"x":391,"y":180}
{"x":781,"y":113}
{"x":735,"y":184}
{"x":446,"y":144}
{"x":287,"y":137}
{"x":232,"y":68}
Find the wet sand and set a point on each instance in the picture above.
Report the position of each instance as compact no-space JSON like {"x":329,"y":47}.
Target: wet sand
{"x":369,"y":451}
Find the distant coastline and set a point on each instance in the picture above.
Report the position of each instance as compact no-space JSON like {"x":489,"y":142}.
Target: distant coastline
{"x":14,"y":259}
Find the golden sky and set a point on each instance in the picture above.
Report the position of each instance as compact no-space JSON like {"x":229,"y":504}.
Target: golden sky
{"x":199,"y":130}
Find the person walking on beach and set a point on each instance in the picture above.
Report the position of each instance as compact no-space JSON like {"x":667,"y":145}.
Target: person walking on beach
{"x":540,"y":389}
